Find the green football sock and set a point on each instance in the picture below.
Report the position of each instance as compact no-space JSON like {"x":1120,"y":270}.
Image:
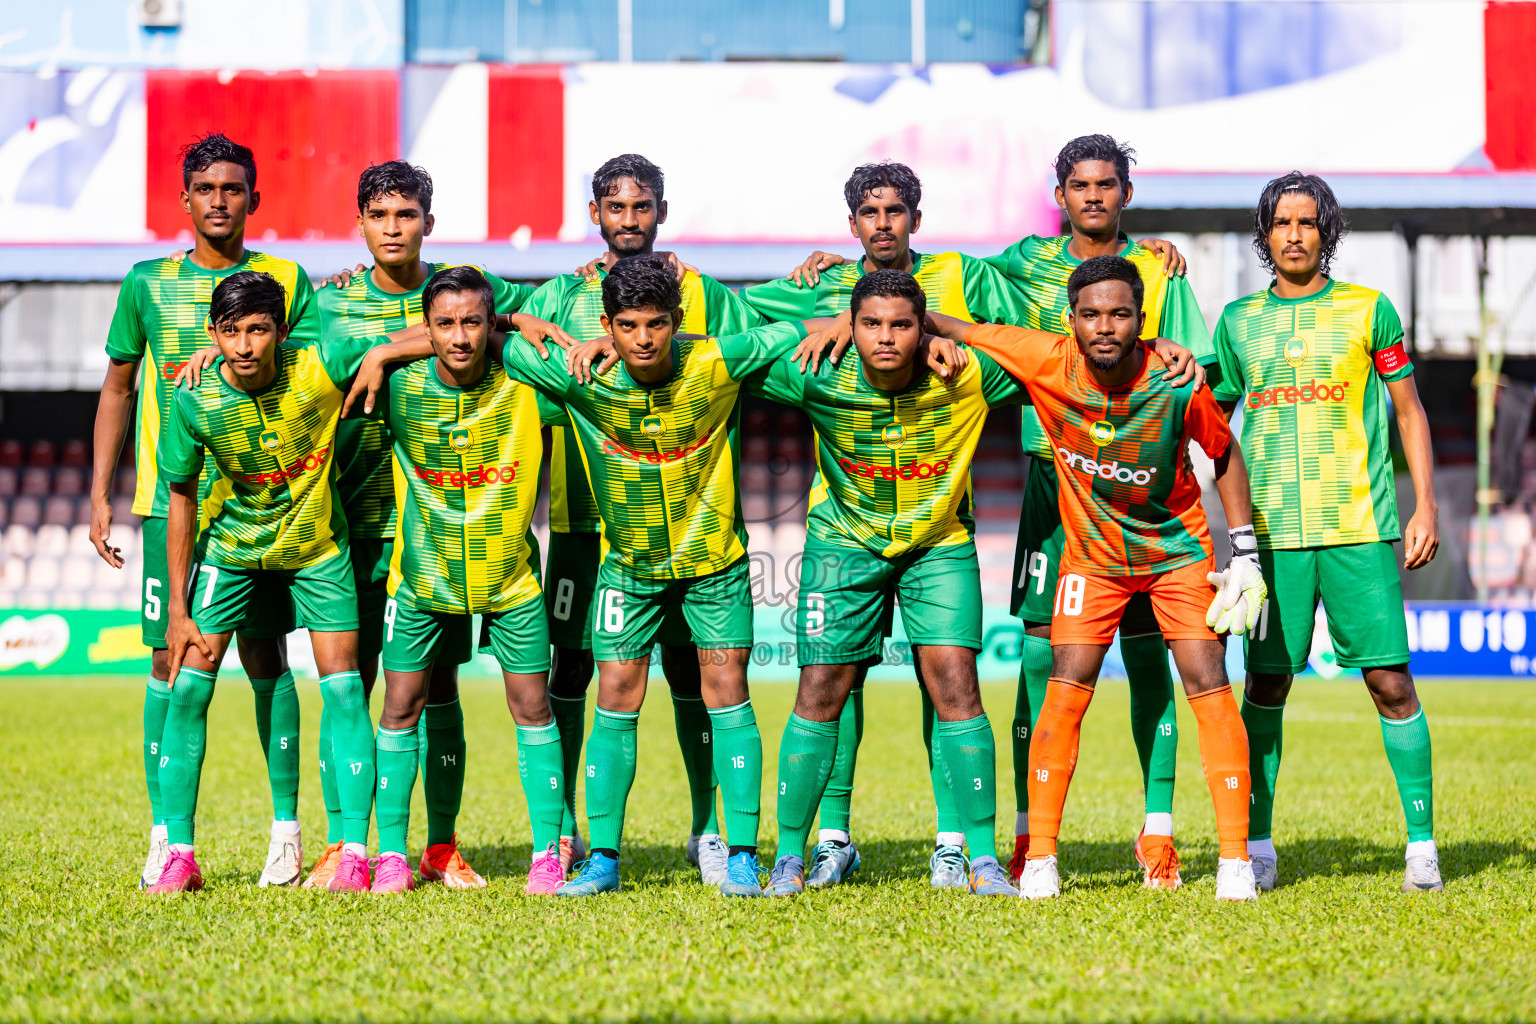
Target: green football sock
{"x":946,"y":815}
{"x":969,"y":755}
{"x":277,"y":723}
{"x":352,"y":745}
{"x":739,"y":767}
{"x":543,"y":776}
{"x":837,"y":797}
{"x":398,"y":758}
{"x":1264,"y":726}
{"x":610,"y":765}
{"x":693,"y":739}
{"x":1034,"y":674}
{"x":329,"y":792}
{"x":157,"y":703}
{"x":1154,"y":717}
{"x":183,"y":743}
{"x":442,"y":781}
{"x":1407,"y":743}
{"x":571,"y":719}
{"x":806,"y":755}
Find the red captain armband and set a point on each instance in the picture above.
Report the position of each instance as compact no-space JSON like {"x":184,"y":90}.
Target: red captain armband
{"x":1390,"y":360}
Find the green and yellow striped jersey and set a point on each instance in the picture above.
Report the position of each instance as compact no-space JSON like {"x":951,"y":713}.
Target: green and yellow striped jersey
{"x":466,"y":476}
{"x":575,"y":305}
{"x":274,"y":503}
{"x":1313,"y":371}
{"x":363,"y":309}
{"x":893,"y":468}
{"x":956,"y":285}
{"x":160,"y":321}
{"x":1039,"y":268}
{"x":663,"y":460}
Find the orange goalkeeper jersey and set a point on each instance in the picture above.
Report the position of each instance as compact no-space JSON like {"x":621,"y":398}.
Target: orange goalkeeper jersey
{"x":1129,"y":498}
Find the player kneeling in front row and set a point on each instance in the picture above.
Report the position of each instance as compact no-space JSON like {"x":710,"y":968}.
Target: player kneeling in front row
{"x":467,"y":450}
{"x":1130,"y":506}
{"x":268,"y":421}
{"x":890,"y":520}
{"x":659,"y":437}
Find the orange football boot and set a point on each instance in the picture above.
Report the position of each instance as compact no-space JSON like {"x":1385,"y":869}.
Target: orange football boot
{"x":443,"y":863}
{"x":324,"y":869}
{"x":1159,"y":861}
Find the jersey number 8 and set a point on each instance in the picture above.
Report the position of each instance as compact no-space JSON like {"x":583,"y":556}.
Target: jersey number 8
{"x":1069,"y":594}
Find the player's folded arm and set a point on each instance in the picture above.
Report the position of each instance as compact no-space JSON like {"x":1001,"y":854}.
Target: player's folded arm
{"x":745,"y":353}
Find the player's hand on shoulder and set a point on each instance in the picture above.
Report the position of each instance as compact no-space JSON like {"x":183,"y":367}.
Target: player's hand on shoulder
{"x":191,"y":372}
{"x":808,"y":274}
{"x":831,"y":342}
{"x":367,"y":383}
{"x":943,"y":356}
{"x":536,"y":332}
{"x":1421,"y":538}
{"x":343,"y":278}
{"x":1182,"y":367}
{"x":588,"y":271}
{"x":1173,"y":261}
{"x":680,"y":269}
{"x":580,"y":357}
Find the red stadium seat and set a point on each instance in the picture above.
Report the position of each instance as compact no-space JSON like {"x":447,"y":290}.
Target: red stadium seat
{"x":76,"y":454}
{"x":10,"y":454}
{"x":43,"y":455}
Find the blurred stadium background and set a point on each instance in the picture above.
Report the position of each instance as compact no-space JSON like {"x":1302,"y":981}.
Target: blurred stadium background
{"x":1422,"y":115}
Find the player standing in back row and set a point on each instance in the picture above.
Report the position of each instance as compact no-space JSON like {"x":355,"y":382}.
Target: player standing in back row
{"x":159,"y":324}
{"x":1314,"y":360}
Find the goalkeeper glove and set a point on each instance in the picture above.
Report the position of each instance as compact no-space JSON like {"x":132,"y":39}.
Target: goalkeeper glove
{"x":1240,"y":587}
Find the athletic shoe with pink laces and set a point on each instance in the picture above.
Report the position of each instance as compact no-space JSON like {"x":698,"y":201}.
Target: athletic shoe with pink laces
{"x":393,"y":874}
{"x":180,"y":874}
{"x":351,"y":874}
{"x":545,"y":877}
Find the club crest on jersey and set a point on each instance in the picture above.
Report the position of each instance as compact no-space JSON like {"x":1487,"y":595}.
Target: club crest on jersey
{"x":1296,"y":350}
{"x":651,"y":425}
{"x":270,"y":440}
{"x":892,"y":435}
{"x":458,"y":437}
{"x":1101,"y":432}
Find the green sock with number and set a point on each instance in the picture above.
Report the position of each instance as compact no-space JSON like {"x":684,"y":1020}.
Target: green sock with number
{"x":1264,"y":725}
{"x":837,"y":798}
{"x":571,"y":719}
{"x":542,"y":772}
{"x":739,"y":767}
{"x":352,"y":744}
{"x":442,"y":780}
{"x":183,"y":743}
{"x":610,"y":765}
{"x":1034,"y":675}
{"x":157,"y":703}
{"x":277,"y":724}
{"x":946,"y":814}
{"x":398,"y":759}
{"x":806,"y":753}
{"x":1154,"y":717}
{"x":1408,"y":753}
{"x":969,"y":754}
{"x":691,"y":718}
{"x":329,"y":792}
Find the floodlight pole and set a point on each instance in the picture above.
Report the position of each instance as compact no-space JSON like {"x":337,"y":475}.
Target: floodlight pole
{"x":1489,"y":363}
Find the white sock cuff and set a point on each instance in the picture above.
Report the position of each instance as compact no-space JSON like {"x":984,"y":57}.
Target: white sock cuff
{"x":1424,"y":847}
{"x":833,"y":835}
{"x":1021,"y":823}
{"x":951,"y":839}
{"x":1159,"y":823}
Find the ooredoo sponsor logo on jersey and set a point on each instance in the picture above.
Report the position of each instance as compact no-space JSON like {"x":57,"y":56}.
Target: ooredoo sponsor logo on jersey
{"x":1111,"y":470}
{"x":1306,"y":394}
{"x":480,"y":476}
{"x":911,"y":471}
{"x":613,"y":447}
{"x":297,"y":468}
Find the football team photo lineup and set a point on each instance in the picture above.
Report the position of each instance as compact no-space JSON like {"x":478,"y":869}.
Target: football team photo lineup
{"x":360,"y":455}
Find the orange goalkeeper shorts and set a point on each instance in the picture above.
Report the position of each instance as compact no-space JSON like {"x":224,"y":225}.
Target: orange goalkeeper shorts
{"x":1088,"y":608}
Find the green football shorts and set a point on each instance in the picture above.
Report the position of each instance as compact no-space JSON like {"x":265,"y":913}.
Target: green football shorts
{"x":323,"y":595}
{"x":848,"y":595}
{"x":415,"y":638}
{"x":370,"y":575}
{"x":271,"y":615}
{"x":570,"y":576}
{"x":1037,"y":559}
{"x":630,"y":613}
{"x":1362,"y":597}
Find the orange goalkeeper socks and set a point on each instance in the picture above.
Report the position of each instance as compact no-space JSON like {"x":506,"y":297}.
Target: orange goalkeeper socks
{"x":1224,"y":756}
{"x":1052,"y":756}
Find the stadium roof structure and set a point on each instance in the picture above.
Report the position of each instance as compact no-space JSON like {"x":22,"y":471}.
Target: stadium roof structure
{"x":1461,"y":203}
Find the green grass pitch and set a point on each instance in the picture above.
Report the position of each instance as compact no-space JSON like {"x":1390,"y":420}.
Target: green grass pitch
{"x":1336,"y":940}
